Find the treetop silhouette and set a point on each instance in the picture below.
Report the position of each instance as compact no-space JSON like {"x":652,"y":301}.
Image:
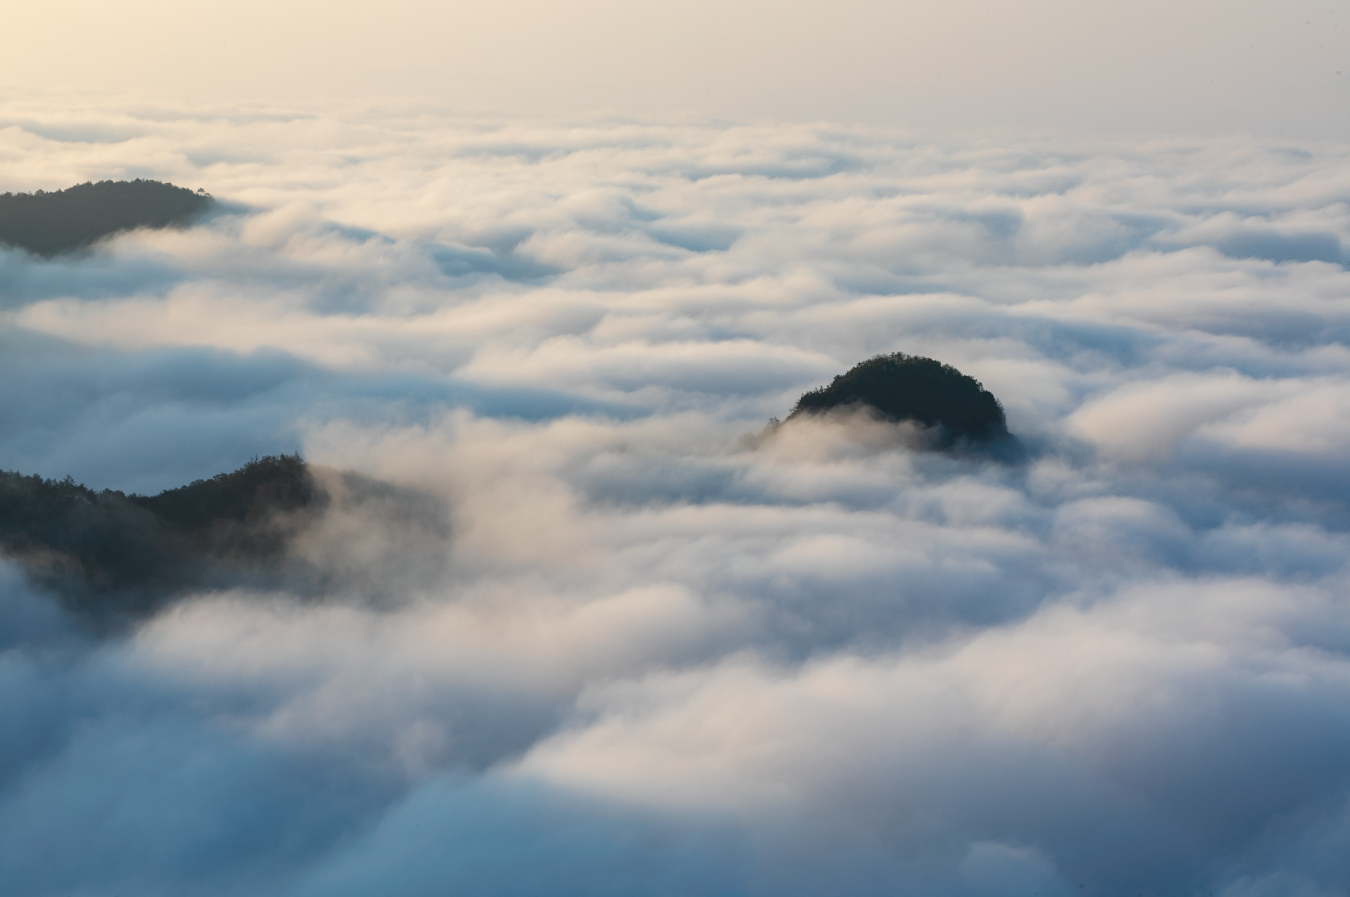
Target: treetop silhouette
{"x":900,"y":387}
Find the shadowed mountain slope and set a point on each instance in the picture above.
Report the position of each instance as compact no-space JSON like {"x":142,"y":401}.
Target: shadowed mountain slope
{"x":276,"y":523}
{"x":902,"y":387}
{"x":49,"y":223}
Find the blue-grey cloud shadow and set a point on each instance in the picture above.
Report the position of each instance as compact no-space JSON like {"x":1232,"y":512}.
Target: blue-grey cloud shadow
{"x":1276,"y":246}
{"x":151,"y":420}
{"x":466,"y":261}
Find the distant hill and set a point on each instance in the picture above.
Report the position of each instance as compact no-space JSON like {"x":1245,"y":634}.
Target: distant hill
{"x":902,"y":387}
{"x":48,"y":224}
{"x":274,"y":525}
{"x":113,"y":555}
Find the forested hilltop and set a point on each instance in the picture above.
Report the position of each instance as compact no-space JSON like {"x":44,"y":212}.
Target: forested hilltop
{"x":111,"y":555}
{"x":50,"y":223}
{"x":276,"y":524}
{"x":901,"y":387}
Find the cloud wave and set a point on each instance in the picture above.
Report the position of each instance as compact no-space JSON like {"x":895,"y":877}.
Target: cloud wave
{"x":658,"y":649}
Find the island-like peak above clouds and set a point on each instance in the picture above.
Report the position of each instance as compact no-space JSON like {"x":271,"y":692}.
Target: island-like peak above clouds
{"x":902,"y":387}
{"x":50,"y":223}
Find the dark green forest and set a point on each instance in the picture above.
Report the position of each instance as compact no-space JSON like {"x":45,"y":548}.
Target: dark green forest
{"x":50,"y":223}
{"x":112,"y":557}
{"x":902,"y":387}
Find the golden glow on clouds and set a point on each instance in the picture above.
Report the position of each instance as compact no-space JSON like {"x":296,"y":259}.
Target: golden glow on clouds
{"x":1196,"y":65}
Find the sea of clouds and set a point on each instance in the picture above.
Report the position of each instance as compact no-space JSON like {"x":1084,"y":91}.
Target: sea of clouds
{"x":658,"y":649}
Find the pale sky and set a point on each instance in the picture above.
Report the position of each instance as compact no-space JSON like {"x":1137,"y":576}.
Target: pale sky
{"x":1202,"y":66}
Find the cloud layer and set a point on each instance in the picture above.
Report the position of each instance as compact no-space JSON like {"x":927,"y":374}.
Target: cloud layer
{"x":660,"y":650}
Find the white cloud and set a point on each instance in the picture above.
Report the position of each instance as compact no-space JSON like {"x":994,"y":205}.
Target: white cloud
{"x":628,"y":640}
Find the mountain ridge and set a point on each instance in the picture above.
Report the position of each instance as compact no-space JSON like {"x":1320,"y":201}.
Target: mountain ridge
{"x":51,"y":223}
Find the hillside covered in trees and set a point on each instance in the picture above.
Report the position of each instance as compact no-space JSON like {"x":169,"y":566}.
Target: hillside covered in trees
{"x":50,"y":223}
{"x":275,"y":525}
{"x":902,"y":387}
{"x":111,"y":555}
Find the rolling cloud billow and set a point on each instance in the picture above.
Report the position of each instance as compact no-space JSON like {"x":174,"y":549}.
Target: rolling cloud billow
{"x":573,"y":620}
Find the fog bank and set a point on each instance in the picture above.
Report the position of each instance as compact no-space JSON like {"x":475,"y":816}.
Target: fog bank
{"x":653,"y":647}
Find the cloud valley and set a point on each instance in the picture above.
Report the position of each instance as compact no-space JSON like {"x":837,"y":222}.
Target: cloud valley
{"x":658,"y":649}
